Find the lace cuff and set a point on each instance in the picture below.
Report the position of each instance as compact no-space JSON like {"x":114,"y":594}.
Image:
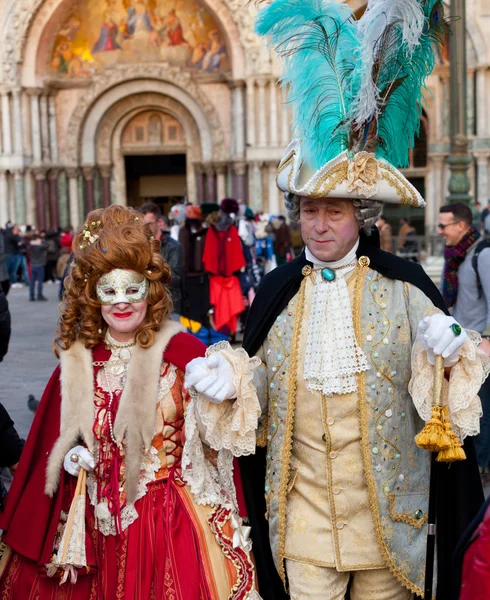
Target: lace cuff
{"x":232,"y":424}
{"x":460,"y":394}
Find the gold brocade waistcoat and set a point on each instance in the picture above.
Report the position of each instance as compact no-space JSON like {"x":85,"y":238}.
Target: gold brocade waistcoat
{"x":329,"y":521}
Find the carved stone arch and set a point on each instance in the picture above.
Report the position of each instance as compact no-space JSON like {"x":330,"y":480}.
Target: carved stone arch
{"x":30,"y":17}
{"x":134,"y":105}
{"x":123,"y":81}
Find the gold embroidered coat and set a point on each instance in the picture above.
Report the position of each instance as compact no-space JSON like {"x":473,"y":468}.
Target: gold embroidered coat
{"x":386,"y":315}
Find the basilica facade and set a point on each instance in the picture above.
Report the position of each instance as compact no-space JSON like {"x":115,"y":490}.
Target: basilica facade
{"x":125,"y":101}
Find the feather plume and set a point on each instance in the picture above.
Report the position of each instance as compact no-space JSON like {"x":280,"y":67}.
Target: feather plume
{"x":401,"y":82}
{"x":384,"y":22}
{"x":318,"y":41}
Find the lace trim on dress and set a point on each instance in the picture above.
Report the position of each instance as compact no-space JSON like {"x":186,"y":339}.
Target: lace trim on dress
{"x":229,"y":429}
{"x":105,"y":522}
{"x":460,"y":394}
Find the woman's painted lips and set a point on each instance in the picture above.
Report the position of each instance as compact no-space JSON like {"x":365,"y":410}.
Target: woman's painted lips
{"x":122,"y":315}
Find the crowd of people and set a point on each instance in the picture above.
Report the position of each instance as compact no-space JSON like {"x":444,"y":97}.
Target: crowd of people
{"x":31,"y":258}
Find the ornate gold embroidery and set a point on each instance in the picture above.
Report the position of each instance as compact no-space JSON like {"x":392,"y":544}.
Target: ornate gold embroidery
{"x":407,"y":518}
{"x":306,"y":270}
{"x":285,"y":163}
{"x":335,"y":176}
{"x":288,"y":434}
{"x":365,"y":448}
{"x":5,"y":553}
{"x":262,"y":436}
{"x":385,"y":376}
{"x":396,"y":181}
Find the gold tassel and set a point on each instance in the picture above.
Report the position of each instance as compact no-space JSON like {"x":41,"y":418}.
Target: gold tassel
{"x":434,"y":436}
{"x":455,"y":450}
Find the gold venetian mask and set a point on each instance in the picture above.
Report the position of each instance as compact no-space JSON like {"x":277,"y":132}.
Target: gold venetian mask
{"x":122,"y":286}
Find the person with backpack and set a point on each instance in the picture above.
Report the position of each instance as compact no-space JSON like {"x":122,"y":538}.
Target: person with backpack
{"x":466,"y":290}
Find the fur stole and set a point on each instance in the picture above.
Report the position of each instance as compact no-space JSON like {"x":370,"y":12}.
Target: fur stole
{"x":135,"y":420}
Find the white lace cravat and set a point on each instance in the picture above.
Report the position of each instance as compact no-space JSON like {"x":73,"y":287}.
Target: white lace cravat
{"x":333,"y":356}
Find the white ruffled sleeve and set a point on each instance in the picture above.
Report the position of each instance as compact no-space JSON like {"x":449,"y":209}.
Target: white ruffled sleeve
{"x":227,"y":428}
{"x":232,"y":424}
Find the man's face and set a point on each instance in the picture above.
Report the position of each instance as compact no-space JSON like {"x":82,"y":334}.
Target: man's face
{"x":451,"y":228}
{"x":329,"y":227}
{"x":154,"y":223}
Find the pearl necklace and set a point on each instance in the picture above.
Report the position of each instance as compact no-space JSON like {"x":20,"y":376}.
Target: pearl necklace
{"x":109,"y":414}
{"x":121,"y":349}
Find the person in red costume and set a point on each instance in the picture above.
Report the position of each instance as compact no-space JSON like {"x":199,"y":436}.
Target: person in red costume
{"x":223,"y":257}
{"x":116,"y":495}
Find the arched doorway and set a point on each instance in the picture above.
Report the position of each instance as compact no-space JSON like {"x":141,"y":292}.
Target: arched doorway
{"x":153,"y":144}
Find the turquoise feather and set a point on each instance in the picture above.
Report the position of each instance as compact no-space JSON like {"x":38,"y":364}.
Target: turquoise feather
{"x":318,"y":42}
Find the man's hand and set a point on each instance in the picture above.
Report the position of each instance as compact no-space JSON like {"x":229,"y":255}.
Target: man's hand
{"x":440,"y":334}
{"x":78,"y":457}
{"x":212,"y":377}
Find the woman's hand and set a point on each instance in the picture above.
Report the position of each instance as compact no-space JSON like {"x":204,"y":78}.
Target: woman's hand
{"x":78,"y":457}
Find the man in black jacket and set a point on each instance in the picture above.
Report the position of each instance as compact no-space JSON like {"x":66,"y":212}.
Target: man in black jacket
{"x":171,"y":251}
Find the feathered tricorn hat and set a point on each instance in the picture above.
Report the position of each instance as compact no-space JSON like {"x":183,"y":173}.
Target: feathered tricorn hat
{"x":356,"y":91}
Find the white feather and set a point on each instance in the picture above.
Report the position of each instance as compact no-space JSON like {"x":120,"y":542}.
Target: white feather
{"x":379,"y":14}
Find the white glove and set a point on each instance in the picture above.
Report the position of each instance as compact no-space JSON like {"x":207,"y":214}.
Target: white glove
{"x":212,"y":377}
{"x":437,"y":337}
{"x":85,"y":460}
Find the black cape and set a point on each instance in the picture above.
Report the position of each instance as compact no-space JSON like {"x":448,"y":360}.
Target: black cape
{"x":460,"y":492}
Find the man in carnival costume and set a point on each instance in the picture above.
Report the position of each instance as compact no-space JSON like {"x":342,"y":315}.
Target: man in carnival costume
{"x":347,"y":334}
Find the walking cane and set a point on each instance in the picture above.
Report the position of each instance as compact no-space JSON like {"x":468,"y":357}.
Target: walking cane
{"x":437,"y":436}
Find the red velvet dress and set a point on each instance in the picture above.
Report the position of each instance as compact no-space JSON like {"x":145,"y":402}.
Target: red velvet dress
{"x":165,"y":547}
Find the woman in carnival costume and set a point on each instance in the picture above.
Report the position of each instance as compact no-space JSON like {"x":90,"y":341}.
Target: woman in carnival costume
{"x":115,"y":495}
{"x":351,"y":339}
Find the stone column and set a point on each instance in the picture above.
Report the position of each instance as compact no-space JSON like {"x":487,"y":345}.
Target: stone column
{"x":54,"y":213}
{"x":45,"y":127}
{"x":481,"y":103}
{"x":4,"y":199}
{"x":36,"y":127}
{"x":6,"y":126}
{"x":262,"y":114}
{"x":53,"y":132}
{"x":105,"y":173}
{"x":238,"y":119}
{"x":18,"y":133}
{"x":256,"y":196}
{"x":285,"y":118}
{"x":221,"y":181}
{"x":25,"y":105}
{"x":200,"y":183}
{"x":435,"y":192}
{"x":482,"y":166}
{"x":72,"y":174}
{"x":210,"y":184}
{"x":251,"y":113}
{"x":19,"y":197}
{"x":40,"y":175}
{"x":273,"y":114}
{"x":239,"y":182}
{"x":63,"y":202}
{"x":30,"y":198}
{"x":88,"y":174}
{"x":273,"y":192}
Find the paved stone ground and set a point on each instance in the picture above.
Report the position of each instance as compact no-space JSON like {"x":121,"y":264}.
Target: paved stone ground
{"x":30,"y":361}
